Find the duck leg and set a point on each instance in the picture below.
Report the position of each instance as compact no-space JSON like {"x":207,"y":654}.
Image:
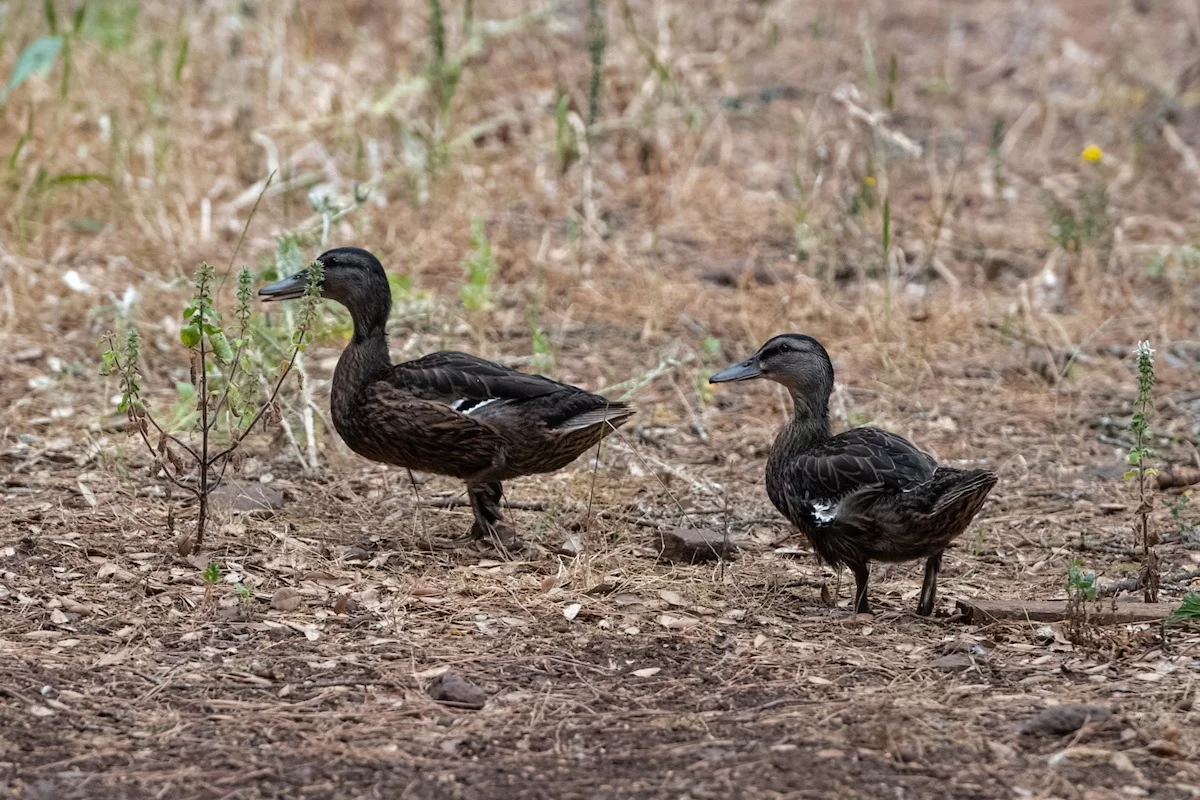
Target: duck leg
{"x":861,"y":573}
{"x":489,"y":519}
{"x":933,"y":565}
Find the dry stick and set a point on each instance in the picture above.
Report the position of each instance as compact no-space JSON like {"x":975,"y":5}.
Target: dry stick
{"x":650,"y":469}
{"x":587,"y":516}
{"x":161,"y":464}
{"x":245,"y":230}
{"x":939,"y":222}
{"x":420,"y":514}
{"x":1134,"y":581}
{"x":202,"y":496}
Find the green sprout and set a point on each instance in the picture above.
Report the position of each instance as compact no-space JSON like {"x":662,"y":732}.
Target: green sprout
{"x":1139,"y":428}
{"x":476,"y":293}
{"x":1189,"y":609}
{"x":1081,"y":583}
{"x":214,"y":394}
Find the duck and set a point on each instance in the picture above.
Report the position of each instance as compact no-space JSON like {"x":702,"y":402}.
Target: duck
{"x":865,"y":494}
{"x":448,"y":412}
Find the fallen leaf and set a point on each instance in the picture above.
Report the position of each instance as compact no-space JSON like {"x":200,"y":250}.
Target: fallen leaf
{"x":671,"y":597}
{"x":1122,"y":762}
{"x":45,"y":634}
{"x":647,"y":672}
{"x":572,"y":611}
{"x":817,"y":680}
{"x":572,"y":545}
{"x":677,"y":622}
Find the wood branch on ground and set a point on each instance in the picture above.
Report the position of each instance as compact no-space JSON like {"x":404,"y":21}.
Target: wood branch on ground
{"x":1173,"y":476}
{"x":985,"y":611}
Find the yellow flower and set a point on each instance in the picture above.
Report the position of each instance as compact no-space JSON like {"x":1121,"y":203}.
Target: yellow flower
{"x":869,"y":180}
{"x":1092,"y":154}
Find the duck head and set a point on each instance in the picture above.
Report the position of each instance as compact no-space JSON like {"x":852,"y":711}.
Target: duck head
{"x":353,"y":277}
{"x":798,"y":362}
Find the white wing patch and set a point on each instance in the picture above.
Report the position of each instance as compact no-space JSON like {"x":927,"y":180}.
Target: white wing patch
{"x":466,"y":407}
{"x":825,"y":513}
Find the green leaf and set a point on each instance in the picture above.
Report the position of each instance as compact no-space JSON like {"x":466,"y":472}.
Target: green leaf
{"x":220,"y":345}
{"x":190,"y":335}
{"x":212,"y":573}
{"x":80,"y":177}
{"x":181,"y":58}
{"x":65,"y":84}
{"x":51,"y":16}
{"x":37,"y":57}
{"x":113,"y":24}
{"x":1189,"y":608}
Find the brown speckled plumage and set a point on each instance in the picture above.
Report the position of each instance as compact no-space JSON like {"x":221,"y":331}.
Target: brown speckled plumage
{"x":449,"y":413}
{"x":863,"y":495}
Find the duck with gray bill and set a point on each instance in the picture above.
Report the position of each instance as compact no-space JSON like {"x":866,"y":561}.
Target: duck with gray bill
{"x":448,"y":413}
{"x":863,"y":495}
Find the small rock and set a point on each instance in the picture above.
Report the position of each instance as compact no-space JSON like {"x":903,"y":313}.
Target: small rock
{"x":286,"y":599}
{"x":954,"y":662}
{"x":692,"y":545}
{"x":457,"y":691}
{"x":1061,"y":720}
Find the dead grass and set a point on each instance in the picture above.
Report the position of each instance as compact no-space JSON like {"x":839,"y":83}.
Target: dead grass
{"x":127,"y":676}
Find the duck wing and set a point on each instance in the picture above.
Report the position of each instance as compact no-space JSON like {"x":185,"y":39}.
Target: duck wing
{"x":427,"y":435}
{"x":822,"y":484}
{"x":463,"y":381}
{"x":861,"y":458}
{"x":492,"y":393}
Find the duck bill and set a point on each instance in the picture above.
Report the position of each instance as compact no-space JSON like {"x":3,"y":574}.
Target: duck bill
{"x":286,"y":289}
{"x":747,"y":370}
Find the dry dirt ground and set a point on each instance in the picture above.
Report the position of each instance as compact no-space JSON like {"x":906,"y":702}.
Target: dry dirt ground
{"x":733,"y":189}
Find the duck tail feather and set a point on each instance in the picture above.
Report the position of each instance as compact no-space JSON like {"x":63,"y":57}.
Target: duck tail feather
{"x":971,"y":488}
{"x":613,"y":414}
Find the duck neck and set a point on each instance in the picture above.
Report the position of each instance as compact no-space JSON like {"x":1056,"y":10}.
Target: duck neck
{"x":366,"y":357}
{"x":370,"y":318}
{"x":810,"y":420}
